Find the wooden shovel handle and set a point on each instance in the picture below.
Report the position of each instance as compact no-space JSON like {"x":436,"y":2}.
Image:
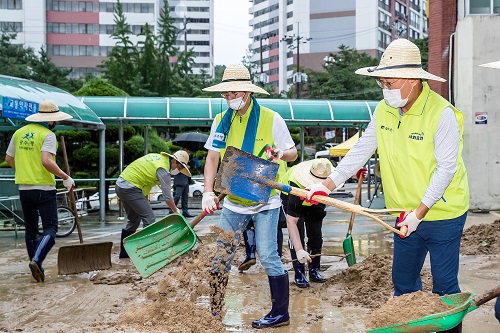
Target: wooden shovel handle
{"x":488,"y":296}
{"x":200,"y":216}
{"x":348,"y":207}
{"x":356,"y":202}
{"x":71,"y":193}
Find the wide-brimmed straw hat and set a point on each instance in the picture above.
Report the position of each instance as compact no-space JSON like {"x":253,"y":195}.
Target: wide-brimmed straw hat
{"x":314,"y":171}
{"x":183,"y":158}
{"x":48,"y":111}
{"x":401,"y":59}
{"x":495,"y":64}
{"x":236,"y":78}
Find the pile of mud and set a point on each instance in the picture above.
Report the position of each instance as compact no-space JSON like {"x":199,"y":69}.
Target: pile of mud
{"x":369,"y":283}
{"x":481,"y":239}
{"x":406,"y":307}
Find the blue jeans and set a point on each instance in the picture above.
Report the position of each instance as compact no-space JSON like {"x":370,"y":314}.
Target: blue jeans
{"x":266,"y":227}
{"x":442,"y":240}
{"x":39,"y":203}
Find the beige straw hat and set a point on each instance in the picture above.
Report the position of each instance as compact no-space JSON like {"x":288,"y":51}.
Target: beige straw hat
{"x":183,"y":158}
{"x":401,"y":59}
{"x":48,"y":111}
{"x":314,"y":171}
{"x":495,"y":64}
{"x":236,"y":78}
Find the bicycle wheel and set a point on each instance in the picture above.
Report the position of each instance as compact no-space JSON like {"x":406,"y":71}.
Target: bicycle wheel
{"x":67,"y":221}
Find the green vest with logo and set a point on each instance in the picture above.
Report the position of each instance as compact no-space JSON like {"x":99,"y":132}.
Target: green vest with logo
{"x":28,"y":141}
{"x":407,"y":162}
{"x":264,"y":136}
{"x":142,"y":172}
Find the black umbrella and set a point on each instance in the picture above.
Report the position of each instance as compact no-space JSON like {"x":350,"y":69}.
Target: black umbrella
{"x":191,"y":140}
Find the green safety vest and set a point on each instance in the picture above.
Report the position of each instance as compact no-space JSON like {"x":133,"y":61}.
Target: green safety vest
{"x":407,"y":162}
{"x":264,"y":136}
{"x":28,"y":141}
{"x":142,"y":172}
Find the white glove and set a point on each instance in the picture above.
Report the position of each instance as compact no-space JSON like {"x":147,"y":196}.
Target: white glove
{"x":208,"y":203}
{"x":303,"y":257}
{"x":274,"y":154}
{"x":69,"y":183}
{"x":411,"y":221}
{"x":317,"y":189}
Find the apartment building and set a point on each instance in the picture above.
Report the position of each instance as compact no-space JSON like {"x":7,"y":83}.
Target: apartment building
{"x":289,"y":35}
{"x":77,"y":34}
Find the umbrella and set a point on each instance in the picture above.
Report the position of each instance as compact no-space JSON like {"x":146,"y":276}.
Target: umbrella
{"x":191,"y":140}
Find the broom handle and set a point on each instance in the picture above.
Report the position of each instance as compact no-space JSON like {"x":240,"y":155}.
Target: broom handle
{"x":71,"y":193}
{"x":356,"y":201}
{"x":339,"y":204}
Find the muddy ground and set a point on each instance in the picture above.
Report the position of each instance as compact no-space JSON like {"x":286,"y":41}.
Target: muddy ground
{"x":175,"y":299}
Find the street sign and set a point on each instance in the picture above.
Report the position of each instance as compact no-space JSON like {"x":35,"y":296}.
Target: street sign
{"x":18,"y":108}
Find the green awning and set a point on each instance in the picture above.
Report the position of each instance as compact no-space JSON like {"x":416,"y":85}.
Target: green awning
{"x":31,"y":91}
{"x":177,"y":111}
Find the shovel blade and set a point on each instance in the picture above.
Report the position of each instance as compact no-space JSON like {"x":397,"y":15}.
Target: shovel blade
{"x":348,"y":246}
{"x":244,"y":175}
{"x":81,"y":258}
{"x":159,"y":243}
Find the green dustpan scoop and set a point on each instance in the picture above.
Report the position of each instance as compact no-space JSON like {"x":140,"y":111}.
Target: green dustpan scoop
{"x":160,"y":243}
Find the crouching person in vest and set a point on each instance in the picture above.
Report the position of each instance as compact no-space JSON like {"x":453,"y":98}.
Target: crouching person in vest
{"x":419,"y":139}
{"x":250,"y":127}
{"x":32,"y":153}
{"x":135,"y":182}
{"x":302,"y":175}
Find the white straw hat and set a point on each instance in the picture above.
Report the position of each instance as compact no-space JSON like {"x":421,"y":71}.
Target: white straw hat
{"x":401,"y":59}
{"x":495,"y":64}
{"x":314,"y":171}
{"x":48,"y":111}
{"x":183,"y":158}
{"x":236,"y":78}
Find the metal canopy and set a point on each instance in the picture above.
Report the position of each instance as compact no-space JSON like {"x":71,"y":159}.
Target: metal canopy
{"x":32,"y":91}
{"x":177,"y":111}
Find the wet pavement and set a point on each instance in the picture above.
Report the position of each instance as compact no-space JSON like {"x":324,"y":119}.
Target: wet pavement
{"x":308,"y":312}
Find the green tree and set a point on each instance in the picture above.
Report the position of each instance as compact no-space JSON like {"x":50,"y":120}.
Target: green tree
{"x":45,"y":71}
{"x":340,"y":81}
{"x":15,"y":60}
{"x":120,"y":66}
{"x":147,"y":65}
{"x":423,"y":45}
{"x":167,"y":35}
{"x":97,"y":86}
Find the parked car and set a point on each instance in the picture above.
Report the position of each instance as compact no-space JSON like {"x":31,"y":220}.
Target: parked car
{"x":195,"y":190}
{"x":93,"y":203}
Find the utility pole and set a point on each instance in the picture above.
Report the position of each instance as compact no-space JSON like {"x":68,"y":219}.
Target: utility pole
{"x":185,"y":22}
{"x":298,"y":75}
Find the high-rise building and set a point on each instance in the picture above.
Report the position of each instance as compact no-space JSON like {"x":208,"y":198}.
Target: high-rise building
{"x":77,"y":34}
{"x":289,"y":35}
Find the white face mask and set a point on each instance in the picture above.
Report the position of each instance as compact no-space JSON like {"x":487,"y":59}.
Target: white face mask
{"x":393,"y":97}
{"x":174,"y":172}
{"x":236,"y":104}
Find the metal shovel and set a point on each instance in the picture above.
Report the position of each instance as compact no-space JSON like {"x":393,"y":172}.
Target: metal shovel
{"x":74,"y":259}
{"x":249,"y":177}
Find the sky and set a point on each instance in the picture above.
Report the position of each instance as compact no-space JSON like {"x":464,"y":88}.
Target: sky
{"x":231,"y":31}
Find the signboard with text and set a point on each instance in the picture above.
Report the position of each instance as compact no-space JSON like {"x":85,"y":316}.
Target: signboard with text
{"x":18,"y":108}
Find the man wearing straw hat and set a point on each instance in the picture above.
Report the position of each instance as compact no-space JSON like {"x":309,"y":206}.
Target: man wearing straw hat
{"x":302,"y":175}
{"x":32,"y":152}
{"x":496,"y":65}
{"x":135,"y":182}
{"x":252,"y":128}
{"x":418,"y":135}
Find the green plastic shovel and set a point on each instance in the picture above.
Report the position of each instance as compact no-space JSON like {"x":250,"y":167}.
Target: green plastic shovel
{"x":348,"y":244}
{"x":463,"y":303}
{"x":161,"y":242}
